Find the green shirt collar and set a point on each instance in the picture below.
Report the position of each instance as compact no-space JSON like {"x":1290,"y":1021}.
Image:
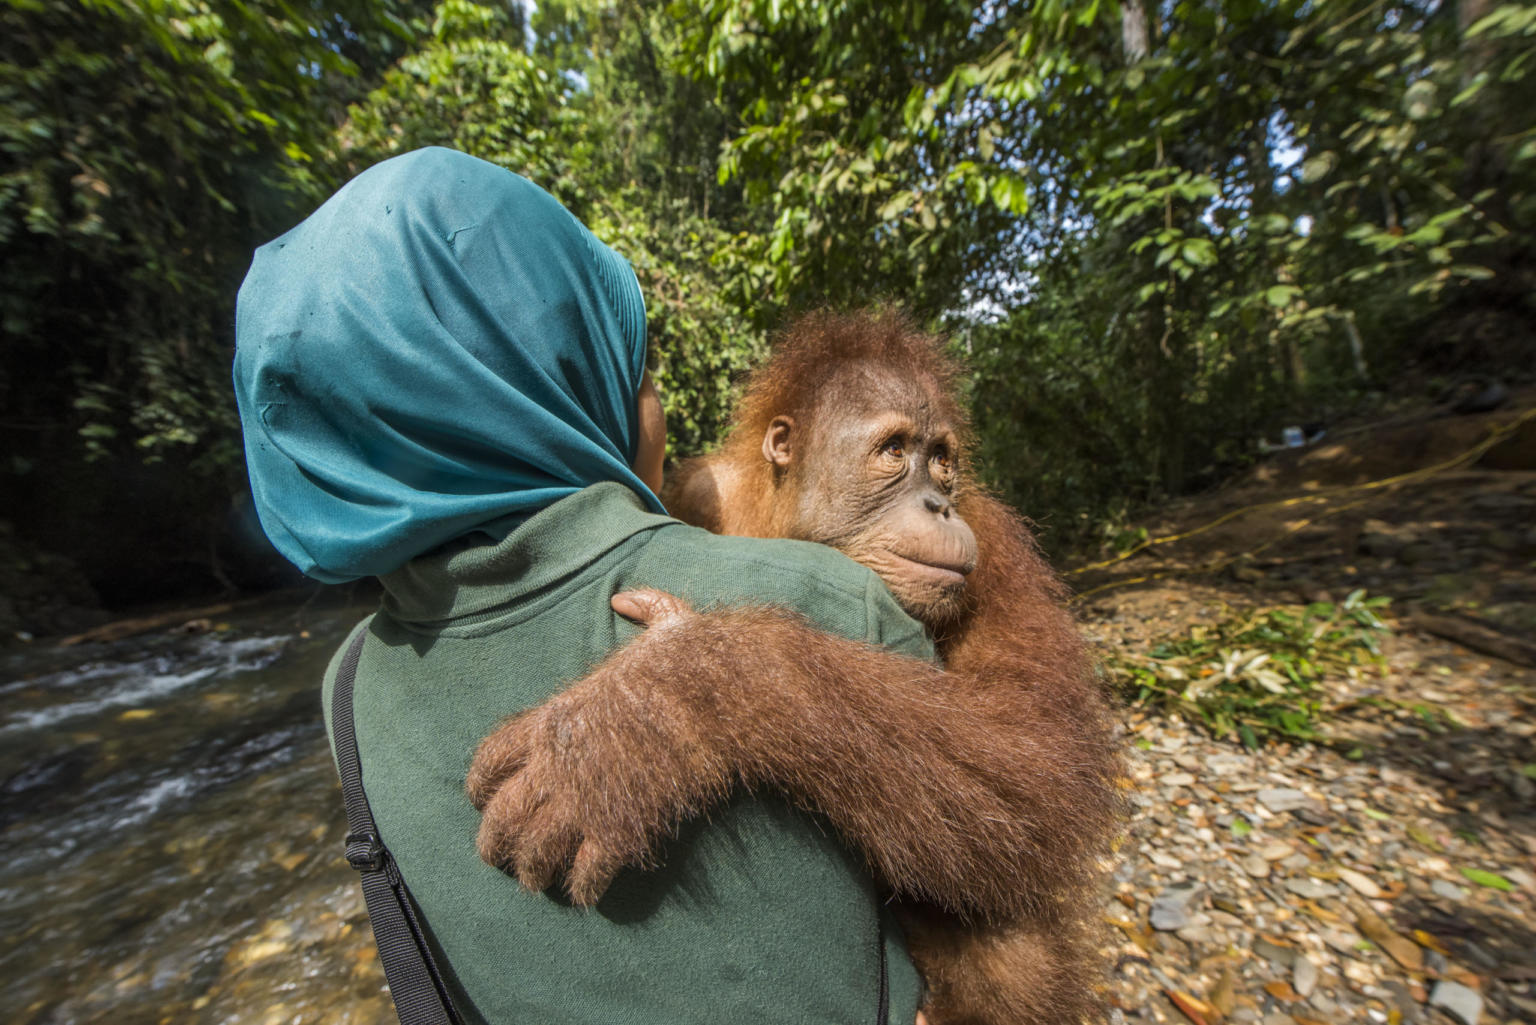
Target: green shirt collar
{"x":464,"y":577}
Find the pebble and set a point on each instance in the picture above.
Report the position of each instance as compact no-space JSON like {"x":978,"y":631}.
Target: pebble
{"x":1448,"y":891}
{"x":1227,"y":765}
{"x":1460,"y":1002}
{"x":1283,"y":799}
{"x":1360,"y":884}
{"x":1280,"y":957}
{"x":1177,"y":779}
{"x":1275,"y":851}
{"x":1256,"y":866}
{"x":1345,"y":941}
{"x":1304,"y":976}
{"x":1170,"y":911}
{"x":1312,"y":889}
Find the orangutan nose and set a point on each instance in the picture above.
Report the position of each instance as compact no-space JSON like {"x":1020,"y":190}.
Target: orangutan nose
{"x":937,"y":504}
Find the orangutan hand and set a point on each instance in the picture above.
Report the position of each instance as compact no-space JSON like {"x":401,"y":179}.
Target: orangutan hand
{"x":589,"y":781}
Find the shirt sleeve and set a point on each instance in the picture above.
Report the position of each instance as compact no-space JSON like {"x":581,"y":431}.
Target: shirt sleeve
{"x":889,"y":626}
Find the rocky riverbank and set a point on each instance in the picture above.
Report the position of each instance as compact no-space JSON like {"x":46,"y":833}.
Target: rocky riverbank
{"x":1389,"y":875}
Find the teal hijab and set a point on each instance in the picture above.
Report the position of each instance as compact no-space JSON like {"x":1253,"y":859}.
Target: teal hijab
{"x":440,"y":348}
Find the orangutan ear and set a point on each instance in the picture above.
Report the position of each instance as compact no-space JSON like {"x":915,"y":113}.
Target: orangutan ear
{"x":776,"y":444}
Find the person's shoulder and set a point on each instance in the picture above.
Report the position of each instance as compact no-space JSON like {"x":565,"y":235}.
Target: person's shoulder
{"x":813,"y":579}
{"x":760,"y":561}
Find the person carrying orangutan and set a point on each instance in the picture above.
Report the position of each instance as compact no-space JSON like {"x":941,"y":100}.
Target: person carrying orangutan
{"x":441,"y":381}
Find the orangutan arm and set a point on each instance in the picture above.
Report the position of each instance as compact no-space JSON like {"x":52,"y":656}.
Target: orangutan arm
{"x":954,"y":795}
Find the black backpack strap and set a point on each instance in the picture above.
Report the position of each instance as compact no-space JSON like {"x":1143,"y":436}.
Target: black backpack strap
{"x":415,"y":982}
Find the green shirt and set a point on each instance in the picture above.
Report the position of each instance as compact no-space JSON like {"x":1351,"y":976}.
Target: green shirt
{"x":757,"y":915}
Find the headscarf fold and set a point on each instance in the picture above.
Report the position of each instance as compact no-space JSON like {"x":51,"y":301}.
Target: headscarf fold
{"x":440,"y":348}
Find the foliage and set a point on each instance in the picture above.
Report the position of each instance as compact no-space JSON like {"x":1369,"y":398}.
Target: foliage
{"x":605,"y":141}
{"x":1157,"y":231}
{"x":1257,"y":673}
{"x":138,"y":139}
{"x":1152,"y":242}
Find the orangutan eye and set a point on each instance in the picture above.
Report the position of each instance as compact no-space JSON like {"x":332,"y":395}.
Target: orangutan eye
{"x":896,"y":448}
{"x":941,"y":456}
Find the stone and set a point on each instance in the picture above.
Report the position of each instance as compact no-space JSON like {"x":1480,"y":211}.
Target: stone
{"x":1177,"y":779}
{"x":1303,"y":976}
{"x":1274,"y":953}
{"x":1360,"y":884}
{"x":1227,"y":765}
{"x":1312,"y":889}
{"x":1283,"y":799}
{"x":1447,"y":891}
{"x":1256,"y":866}
{"x":1170,"y":911}
{"x":1197,"y":935}
{"x":1275,"y":851}
{"x":1461,"y":1002}
{"x":1345,"y":941}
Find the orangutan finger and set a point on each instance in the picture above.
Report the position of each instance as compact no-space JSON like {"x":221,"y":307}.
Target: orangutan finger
{"x":504,"y":823}
{"x":591,"y":873}
{"x":499,"y":758}
{"x":649,"y":607}
{"x":545,"y":849}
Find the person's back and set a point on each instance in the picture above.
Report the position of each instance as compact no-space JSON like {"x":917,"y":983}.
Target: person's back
{"x":757,"y":916}
{"x":441,"y":381}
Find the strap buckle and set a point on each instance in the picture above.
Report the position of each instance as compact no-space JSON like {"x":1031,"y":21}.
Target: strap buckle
{"x":365,"y":851}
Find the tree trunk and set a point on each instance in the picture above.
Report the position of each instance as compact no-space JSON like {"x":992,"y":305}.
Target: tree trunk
{"x":1133,"y":31}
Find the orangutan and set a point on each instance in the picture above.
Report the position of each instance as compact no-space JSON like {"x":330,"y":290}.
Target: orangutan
{"x":984,"y":793}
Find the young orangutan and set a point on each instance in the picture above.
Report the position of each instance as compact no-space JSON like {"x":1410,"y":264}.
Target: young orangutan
{"x":984,"y":793}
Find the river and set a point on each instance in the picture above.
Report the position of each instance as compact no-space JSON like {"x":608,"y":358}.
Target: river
{"x":171,"y":832}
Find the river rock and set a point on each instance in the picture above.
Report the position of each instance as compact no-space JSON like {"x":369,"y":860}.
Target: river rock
{"x":1170,"y":911}
{"x":1227,"y":765}
{"x":1447,"y":891}
{"x":1360,"y":884}
{"x":1304,"y":976}
{"x":1283,"y":799}
{"x":1312,"y":889}
{"x":1345,"y":941}
{"x":1256,"y":866}
{"x":1460,"y":1002}
{"x":1280,"y":957}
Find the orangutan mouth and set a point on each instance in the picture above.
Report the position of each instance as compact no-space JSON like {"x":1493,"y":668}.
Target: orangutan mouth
{"x":944,"y":575}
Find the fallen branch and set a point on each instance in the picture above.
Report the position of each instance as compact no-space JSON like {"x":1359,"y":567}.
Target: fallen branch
{"x":1474,"y":635}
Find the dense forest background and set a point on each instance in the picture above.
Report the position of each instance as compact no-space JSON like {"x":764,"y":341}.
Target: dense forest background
{"x":1158,"y":232}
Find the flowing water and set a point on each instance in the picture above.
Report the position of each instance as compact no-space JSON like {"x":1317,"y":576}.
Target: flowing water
{"x":171,"y":829}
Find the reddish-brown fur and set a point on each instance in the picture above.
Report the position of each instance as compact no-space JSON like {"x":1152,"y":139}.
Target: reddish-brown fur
{"x":985,"y":793}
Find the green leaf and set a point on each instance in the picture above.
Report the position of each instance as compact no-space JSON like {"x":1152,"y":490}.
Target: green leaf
{"x":1280,"y":295}
{"x":1200,"y":252}
{"x":1241,"y":827}
{"x":1488,"y":879}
